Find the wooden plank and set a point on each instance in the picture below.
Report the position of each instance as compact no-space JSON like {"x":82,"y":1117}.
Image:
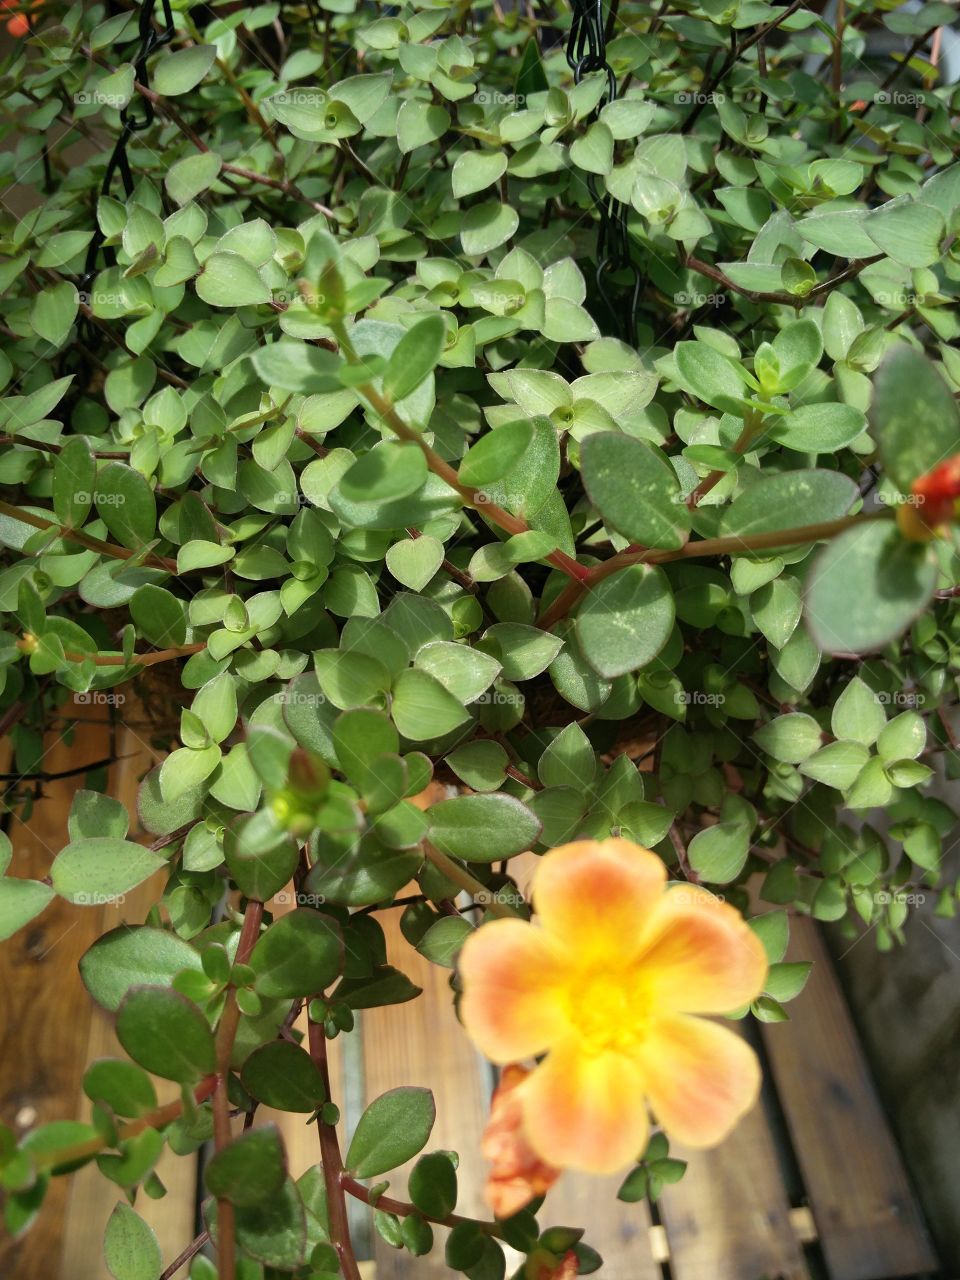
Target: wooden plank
{"x":867,"y":1219}
{"x":421,"y":1043}
{"x":44,"y":1012}
{"x":91,"y":1196}
{"x":621,"y":1233}
{"x":729,"y":1218}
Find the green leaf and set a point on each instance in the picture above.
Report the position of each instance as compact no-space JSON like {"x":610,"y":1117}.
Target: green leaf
{"x":475,"y":170}
{"x":284,"y":1076}
{"x":54,"y":311}
{"x":908,"y":231}
{"x":249,"y":1170}
{"x":415,"y":561}
{"x":166,"y":1034}
{"x":100,"y":869}
{"x":484,"y":227}
{"x":132,"y":956}
{"x":20,"y":902}
{"x":481,"y":765}
{"x":635,"y":490}
{"x":190,"y":177}
{"x":131,"y":1250}
{"x":386,"y":472}
{"x":393,"y":1128}
{"x":482,"y":828}
{"x":711,"y":376}
{"x":229,"y":280}
{"x":594,"y":151}
{"x":773,"y":930}
{"x":74,"y":481}
{"x":126,"y":505}
{"x":442,"y":942}
{"x":297,"y":366}
{"x":914,"y":417}
{"x":299,"y":955}
{"x":183,"y":69}
{"x":432,"y":1185}
{"x":790,"y":738}
{"x":625,"y":620}
{"x":423,"y":709}
{"x":894,"y":578}
{"x":790,"y":499}
{"x":786,"y":981}
{"x":838,"y":764}
{"x":718,"y":853}
{"x":858,"y":714}
{"x":275,"y":1233}
{"x":414,"y":357}
{"x":818,"y":428}
{"x":419,"y":123}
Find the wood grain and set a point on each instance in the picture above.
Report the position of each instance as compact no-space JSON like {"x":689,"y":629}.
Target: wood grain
{"x":421,"y":1043}
{"x":867,"y":1219}
{"x":45,"y":1014}
{"x":729,"y":1217}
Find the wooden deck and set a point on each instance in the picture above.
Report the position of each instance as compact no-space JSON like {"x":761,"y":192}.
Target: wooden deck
{"x":809,"y":1187}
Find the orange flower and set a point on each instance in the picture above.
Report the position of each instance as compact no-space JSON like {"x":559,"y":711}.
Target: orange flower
{"x":518,"y":1174}
{"x":19,"y":25}
{"x":606,"y":985}
{"x":934,"y":501}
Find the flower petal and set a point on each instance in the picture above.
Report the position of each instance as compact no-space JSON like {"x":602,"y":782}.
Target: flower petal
{"x":512,"y":1004}
{"x":597,"y":894}
{"x":586,"y":1111}
{"x":700,"y":955}
{"x":700,"y":1078}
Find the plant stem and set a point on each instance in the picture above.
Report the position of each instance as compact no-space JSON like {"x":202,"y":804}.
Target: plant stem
{"x":332,"y":1162}
{"x":183,"y":1258}
{"x":83,"y":539}
{"x":472,"y":496}
{"x":136,"y":659}
{"x":732,"y":545}
{"x":152,"y":1120}
{"x":751,"y":425}
{"x":464,"y":880}
{"x":788,"y":299}
{"x":226,"y":1034}
{"x":402,"y":1209}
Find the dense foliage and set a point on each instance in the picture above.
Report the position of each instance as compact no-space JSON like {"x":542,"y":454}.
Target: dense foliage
{"x":320,"y":393}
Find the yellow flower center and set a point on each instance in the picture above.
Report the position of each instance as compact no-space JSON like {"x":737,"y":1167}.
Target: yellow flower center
{"x":610,"y":1011}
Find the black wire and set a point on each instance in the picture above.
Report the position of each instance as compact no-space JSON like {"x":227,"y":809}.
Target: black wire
{"x":587,"y":51}
{"x":150,"y":40}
